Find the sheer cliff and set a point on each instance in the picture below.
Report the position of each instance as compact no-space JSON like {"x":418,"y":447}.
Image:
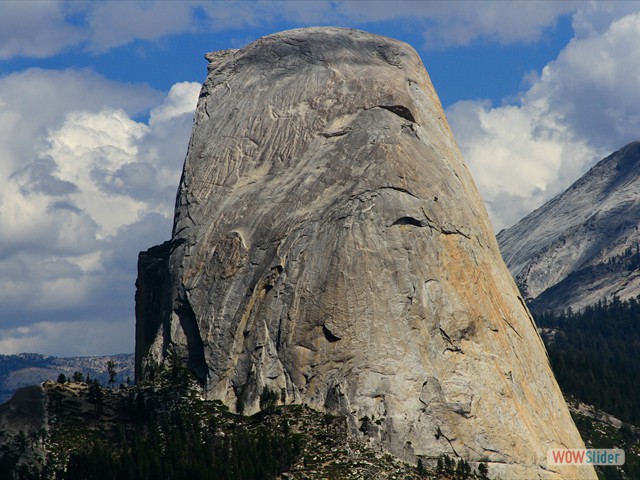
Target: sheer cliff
{"x":329,"y":245}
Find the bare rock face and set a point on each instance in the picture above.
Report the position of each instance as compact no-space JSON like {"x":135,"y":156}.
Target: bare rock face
{"x":581,"y":246}
{"x":330,"y":245}
{"x":25,"y":413}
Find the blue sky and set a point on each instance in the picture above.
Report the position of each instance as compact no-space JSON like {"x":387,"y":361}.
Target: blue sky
{"x":96,"y":103}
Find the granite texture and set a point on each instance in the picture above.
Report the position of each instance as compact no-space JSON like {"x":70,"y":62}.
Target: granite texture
{"x":329,"y":244}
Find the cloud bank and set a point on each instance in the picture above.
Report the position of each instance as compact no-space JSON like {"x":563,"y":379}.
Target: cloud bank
{"x":41,"y":29}
{"x":83,"y":188}
{"x":581,"y":107}
{"x":85,"y":184}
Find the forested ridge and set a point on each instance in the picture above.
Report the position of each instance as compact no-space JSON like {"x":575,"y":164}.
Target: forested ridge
{"x":163,"y":429}
{"x":595,"y":355}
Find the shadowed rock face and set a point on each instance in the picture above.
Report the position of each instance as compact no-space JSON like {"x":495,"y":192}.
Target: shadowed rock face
{"x":330,"y":245}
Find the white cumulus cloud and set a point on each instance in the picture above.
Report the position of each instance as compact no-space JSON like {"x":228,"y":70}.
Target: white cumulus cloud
{"x":45,"y":28}
{"x":182,"y":98}
{"x":94,"y":336}
{"x":84,"y":187}
{"x":582,"y":106}
{"x":111,"y":24}
{"x":458,"y":23}
{"x":36,"y":28}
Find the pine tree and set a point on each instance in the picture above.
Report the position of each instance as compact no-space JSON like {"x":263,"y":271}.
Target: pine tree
{"x":111,"y":370}
{"x":483,"y":470}
{"x":96,"y":396}
{"x":268,"y":399}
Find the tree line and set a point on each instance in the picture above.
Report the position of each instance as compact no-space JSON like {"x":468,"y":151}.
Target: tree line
{"x":595,"y":355}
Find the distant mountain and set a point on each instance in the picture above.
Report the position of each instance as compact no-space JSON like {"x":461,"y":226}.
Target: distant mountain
{"x":581,"y":246}
{"x":31,"y":368}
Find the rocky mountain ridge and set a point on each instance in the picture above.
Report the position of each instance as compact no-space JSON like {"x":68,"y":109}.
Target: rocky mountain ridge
{"x":329,"y":244}
{"x":26,"y":369}
{"x":582,"y":245}
{"x":166,"y":430}
{"x":65,"y":432}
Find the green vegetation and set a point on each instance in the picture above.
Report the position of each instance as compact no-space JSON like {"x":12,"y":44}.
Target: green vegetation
{"x":595,"y":355}
{"x":460,"y":469}
{"x":600,"y":435}
{"x":165,"y":430}
{"x":159,"y":430}
{"x":111,"y":370}
{"x":268,"y":400}
{"x":178,"y":446}
{"x":629,"y":259}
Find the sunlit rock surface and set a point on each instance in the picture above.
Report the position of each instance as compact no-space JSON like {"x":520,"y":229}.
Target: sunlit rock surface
{"x":583,"y":245}
{"x":330,"y":245}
